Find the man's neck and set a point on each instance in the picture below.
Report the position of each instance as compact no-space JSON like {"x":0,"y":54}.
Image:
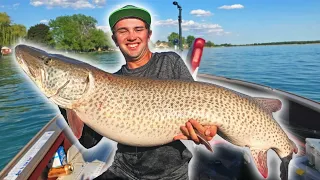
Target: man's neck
{"x":140,"y":62}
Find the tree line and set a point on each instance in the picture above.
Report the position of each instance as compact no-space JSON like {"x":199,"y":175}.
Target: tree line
{"x":72,"y":33}
{"x":281,"y":43}
{"x":186,"y":41}
{"x":10,"y":33}
{"x":79,"y":33}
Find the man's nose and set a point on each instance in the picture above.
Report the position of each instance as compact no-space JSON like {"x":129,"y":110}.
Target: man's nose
{"x":132,"y":36}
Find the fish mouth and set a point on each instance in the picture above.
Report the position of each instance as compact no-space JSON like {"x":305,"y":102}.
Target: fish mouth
{"x":27,"y":69}
{"x":31,"y":63}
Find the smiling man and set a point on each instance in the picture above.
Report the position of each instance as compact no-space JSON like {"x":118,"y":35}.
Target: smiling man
{"x":131,"y":33}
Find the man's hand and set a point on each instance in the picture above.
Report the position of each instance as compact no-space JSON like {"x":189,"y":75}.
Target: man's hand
{"x":189,"y":133}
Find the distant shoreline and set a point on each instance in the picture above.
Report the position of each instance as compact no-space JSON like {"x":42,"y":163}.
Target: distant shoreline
{"x":271,"y":43}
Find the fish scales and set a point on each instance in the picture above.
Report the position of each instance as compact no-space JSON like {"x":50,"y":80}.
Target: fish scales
{"x":133,"y":103}
{"x":149,"y":112}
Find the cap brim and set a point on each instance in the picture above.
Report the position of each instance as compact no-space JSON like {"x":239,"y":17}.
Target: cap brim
{"x":128,"y":13}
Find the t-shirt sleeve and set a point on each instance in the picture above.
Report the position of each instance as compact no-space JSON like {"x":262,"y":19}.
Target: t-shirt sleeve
{"x":181,"y":69}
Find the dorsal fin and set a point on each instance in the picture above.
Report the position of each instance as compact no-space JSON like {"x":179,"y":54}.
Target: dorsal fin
{"x":269,"y":104}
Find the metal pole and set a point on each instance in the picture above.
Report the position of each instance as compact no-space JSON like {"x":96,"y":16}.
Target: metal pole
{"x":179,"y":19}
{"x":180,"y":33}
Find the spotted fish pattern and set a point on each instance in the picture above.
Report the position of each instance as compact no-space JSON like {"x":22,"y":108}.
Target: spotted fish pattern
{"x":140,"y":111}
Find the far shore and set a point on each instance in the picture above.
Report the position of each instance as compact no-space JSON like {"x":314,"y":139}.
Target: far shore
{"x":271,"y":44}
{"x":111,"y":50}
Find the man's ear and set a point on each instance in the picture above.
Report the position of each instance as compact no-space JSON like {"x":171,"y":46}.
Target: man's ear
{"x":114,"y":40}
{"x":149,"y":35}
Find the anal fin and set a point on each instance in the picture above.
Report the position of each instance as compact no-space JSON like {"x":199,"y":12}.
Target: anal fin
{"x":75,"y":123}
{"x":260,"y":159}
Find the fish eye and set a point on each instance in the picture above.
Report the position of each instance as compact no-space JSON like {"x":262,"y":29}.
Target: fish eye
{"x":47,"y":61}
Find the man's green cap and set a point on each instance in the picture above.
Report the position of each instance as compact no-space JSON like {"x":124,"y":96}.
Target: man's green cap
{"x":127,"y":12}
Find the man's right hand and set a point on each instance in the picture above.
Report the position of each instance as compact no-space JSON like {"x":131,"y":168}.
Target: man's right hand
{"x":188,"y":132}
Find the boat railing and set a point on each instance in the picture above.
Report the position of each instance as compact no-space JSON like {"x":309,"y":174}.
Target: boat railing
{"x":28,"y":159}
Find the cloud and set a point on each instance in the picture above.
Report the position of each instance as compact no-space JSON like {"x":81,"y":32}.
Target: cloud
{"x":104,"y":28}
{"x":74,"y":4}
{"x":166,"y":22}
{"x":36,"y":3}
{"x":99,"y":3}
{"x":235,"y":6}
{"x":16,"y":5}
{"x":192,"y":26}
{"x":44,"y":21}
{"x":13,"y":6}
{"x":200,"y":12}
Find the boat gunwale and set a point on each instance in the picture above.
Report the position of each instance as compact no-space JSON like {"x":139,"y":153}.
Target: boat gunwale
{"x":27,"y":171}
{"x":288,"y":95}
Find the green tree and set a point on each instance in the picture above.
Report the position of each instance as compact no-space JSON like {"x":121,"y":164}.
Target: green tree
{"x":4,"y":28}
{"x":4,"y":18}
{"x":190,"y":40}
{"x":172,"y":37}
{"x":17,"y":31}
{"x":99,"y":39}
{"x":40,"y":33}
{"x":209,"y":44}
{"x":73,"y":32}
{"x":9,"y":34}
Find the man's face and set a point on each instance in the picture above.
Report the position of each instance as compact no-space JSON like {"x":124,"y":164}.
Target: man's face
{"x":132,"y":38}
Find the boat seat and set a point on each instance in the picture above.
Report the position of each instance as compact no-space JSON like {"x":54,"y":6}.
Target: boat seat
{"x":87,"y":163}
{"x":90,"y":163}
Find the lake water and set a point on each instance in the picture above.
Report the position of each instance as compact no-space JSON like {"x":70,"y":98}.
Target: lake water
{"x":292,"y":68}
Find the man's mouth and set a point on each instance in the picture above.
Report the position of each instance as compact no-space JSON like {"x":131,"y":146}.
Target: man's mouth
{"x":133,"y":46}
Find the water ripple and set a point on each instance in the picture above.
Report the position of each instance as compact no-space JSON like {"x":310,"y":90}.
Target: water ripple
{"x":24,"y":111}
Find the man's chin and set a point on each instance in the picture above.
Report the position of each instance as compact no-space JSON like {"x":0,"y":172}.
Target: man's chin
{"x":134,"y":56}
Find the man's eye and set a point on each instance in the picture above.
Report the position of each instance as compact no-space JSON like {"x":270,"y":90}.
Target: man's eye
{"x":122,"y":31}
{"x":139,"y":29}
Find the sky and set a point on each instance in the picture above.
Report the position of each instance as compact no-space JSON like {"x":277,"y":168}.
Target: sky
{"x":218,"y":21}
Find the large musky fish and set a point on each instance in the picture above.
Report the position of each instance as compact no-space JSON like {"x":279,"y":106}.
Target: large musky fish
{"x":149,"y":112}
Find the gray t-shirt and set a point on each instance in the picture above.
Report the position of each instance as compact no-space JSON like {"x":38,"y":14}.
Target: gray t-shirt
{"x":163,"y":65}
{"x":161,"y":160}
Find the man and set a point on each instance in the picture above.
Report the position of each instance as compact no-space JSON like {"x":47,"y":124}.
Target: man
{"x":131,"y":33}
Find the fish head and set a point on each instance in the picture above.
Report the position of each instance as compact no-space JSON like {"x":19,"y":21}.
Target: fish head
{"x":58,"y":77}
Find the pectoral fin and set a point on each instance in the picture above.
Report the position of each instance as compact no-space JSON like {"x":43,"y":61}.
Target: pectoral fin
{"x":260,"y":159}
{"x":75,"y":123}
{"x":203,"y":140}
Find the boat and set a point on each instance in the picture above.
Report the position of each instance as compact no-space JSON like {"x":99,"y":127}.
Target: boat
{"x":5,"y":51}
{"x":300,"y":117}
